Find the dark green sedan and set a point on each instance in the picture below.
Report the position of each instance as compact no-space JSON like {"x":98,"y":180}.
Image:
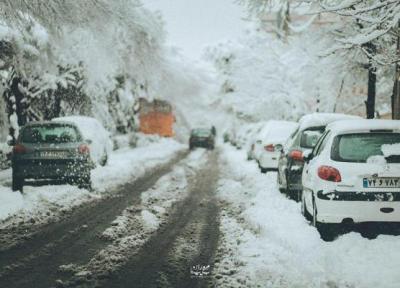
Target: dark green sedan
{"x":202,"y":137}
{"x":50,"y":151}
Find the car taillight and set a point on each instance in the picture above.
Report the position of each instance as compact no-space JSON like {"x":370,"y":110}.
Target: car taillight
{"x":329,"y":173}
{"x":296,"y":155}
{"x":269,"y":148}
{"x":84,"y":149}
{"x":19,"y":149}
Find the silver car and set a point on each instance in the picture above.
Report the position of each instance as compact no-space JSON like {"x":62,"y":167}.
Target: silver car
{"x":50,"y":151}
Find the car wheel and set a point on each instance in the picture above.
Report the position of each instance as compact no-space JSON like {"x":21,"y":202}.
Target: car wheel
{"x":85,"y":182}
{"x":282,"y":189}
{"x":17,"y":183}
{"x":327,"y":231}
{"x":304,"y":210}
{"x":104,"y":159}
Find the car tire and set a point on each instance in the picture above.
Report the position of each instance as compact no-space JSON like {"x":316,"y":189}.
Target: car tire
{"x":304,"y":210}
{"x":327,"y":231}
{"x":104,"y":159}
{"x":282,"y":189}
{"x":17,"y":183}
{"x":85,"y":182}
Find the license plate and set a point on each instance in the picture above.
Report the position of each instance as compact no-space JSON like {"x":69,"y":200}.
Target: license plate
{"x":53,"y":154}
{"x":388,"y":182}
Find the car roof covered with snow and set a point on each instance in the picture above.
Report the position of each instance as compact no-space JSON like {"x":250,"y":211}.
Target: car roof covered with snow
{"x":322,"y":119}
{"x":345,"y":126}
{"x":278,"y":130}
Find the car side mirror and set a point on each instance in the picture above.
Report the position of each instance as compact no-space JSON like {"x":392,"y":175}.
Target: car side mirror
{"x":88,"y":141}
{"x":307,"y":156}
{"x":11,"y":142}
{"x":279,"y":148}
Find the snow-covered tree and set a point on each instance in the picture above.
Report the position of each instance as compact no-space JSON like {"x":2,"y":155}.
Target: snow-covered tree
{"x":69,"y":55}
{"x":372,"y":28}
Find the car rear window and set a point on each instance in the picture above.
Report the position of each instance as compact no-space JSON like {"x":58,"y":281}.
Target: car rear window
{"x":201,"y":132}
{"x":50,"y":133}
{"x":310,"y":137}
{"x":360,"y":147}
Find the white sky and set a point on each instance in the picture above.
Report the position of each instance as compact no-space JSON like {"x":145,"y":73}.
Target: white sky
{"x":193,"y":24}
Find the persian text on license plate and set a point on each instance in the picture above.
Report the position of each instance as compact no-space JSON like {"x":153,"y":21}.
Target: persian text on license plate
{"x":381,"y":182}
{"x":53,"y":154}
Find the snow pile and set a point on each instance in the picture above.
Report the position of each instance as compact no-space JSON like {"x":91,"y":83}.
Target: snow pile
{"x":130,"y":164}
{"x":150,"y":221}
{"x":266,"y":241}
{"x":391,"y":150}
{"x":92,"y":129}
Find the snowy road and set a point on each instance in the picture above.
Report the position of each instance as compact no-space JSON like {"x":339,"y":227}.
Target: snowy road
{"x":196,"y":209}
{"x":149,"y":231}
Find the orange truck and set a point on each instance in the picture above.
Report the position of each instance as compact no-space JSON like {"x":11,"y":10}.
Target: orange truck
{"x":156,"y":117}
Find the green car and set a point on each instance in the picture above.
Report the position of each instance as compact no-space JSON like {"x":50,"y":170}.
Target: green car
{"x":50,"y":151}
{"x":202,"y":137}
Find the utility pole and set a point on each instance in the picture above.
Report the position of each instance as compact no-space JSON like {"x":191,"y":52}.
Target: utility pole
{"x":396,"y":88}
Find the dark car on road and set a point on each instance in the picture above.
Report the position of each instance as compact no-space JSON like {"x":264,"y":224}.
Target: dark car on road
{"x":50,"y":151}
{"x":202,"y":137}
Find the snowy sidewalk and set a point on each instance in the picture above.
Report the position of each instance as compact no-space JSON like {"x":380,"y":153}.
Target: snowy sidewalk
{"x":266,"y":241}
{"x":124,"y":165}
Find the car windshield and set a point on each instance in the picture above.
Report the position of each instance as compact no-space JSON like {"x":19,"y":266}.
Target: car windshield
{"x":360,"y":147}
{"x":50,"y":133}
{"x":309,"y":137}
{"x":201,"y":132}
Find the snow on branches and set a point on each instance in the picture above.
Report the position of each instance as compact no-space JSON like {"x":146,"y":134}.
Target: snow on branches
{"x":371,"y":21}
{"x":59,"y":48}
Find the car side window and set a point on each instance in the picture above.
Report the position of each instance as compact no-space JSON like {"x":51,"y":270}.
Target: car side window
{"x":297,"y":138}
{"x":321,"y":143}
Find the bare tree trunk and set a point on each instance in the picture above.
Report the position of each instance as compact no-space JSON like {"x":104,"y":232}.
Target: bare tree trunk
{"x":370,"y":103}
{"x":396,"y":87}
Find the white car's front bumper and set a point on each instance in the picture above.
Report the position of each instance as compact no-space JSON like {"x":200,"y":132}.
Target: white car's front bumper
{"x":358,"y":209}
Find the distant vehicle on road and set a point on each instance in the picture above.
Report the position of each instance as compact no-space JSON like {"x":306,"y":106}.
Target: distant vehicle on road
{"x":50,"y":150}
{"x":100,"y":145}
{"x":291,"y":160}
{"x":156,"y":117}
{"x":353,"y":175}
{"x":269,"y":142}
{"x":201,"y":137}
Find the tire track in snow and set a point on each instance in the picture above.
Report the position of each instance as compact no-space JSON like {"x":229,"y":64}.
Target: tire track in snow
{"x":74,"y":239}
{"x":188,"y":238}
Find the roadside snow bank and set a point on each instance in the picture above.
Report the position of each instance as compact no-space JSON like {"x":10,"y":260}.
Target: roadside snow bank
{"x":129,"y":164}
{"x":43,"y":202}
{"x":267,"y":242}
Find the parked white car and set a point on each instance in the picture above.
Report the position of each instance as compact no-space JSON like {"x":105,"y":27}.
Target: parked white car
{"x":100,"y":142}
{"x":269,"y":143}
{"x":290,"y":168}
{"x":353,"y":175}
